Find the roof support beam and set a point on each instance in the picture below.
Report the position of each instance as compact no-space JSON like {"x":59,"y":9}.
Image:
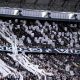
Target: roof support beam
{"x":5,"y":2}
{"x":63,"y":3}
{"x":78,"y":8}
{"x":50,"y":4}
{"x":35,"y":2}
{"x":21,"y":3}
{"x":62,"y":6}
{"x":76,"y":5}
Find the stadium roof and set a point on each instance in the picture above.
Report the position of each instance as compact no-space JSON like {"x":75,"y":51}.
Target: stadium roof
{"x":54,"y":5}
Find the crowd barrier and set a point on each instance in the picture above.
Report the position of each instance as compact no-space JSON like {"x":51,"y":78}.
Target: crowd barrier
{"x":41,"y":50}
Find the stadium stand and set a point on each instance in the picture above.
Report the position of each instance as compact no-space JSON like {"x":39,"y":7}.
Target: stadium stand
{"x":43,"y":34}
{"x":46,"y":34}
{"x":39,"y":39}
{"x":64,"y":67}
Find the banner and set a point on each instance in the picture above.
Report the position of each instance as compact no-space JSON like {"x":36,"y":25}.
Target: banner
{"x":41,"y":50}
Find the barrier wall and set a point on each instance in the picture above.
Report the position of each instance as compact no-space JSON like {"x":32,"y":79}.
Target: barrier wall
{"x":41,"y":50}
{"x":37,"y":13}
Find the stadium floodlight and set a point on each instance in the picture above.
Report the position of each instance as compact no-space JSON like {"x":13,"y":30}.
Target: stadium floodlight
{"x":17,"y":12}
{"x":46,"y":14}
{"x":73,"y":16}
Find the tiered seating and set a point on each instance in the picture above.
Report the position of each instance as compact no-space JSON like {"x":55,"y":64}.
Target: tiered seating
{"x":64,"y":67}
{"x":9,"y":61}
{"x":46,"y":34}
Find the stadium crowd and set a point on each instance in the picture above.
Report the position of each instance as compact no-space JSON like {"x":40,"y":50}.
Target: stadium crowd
{"x":9,"y":61}
{"x":63,"y":67}
{"x":45,"y":35}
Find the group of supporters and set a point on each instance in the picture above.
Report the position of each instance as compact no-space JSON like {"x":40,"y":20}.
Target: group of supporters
{"x":19,"y":69}
{"x":44,"y":34}
{"x":63,"y":67}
